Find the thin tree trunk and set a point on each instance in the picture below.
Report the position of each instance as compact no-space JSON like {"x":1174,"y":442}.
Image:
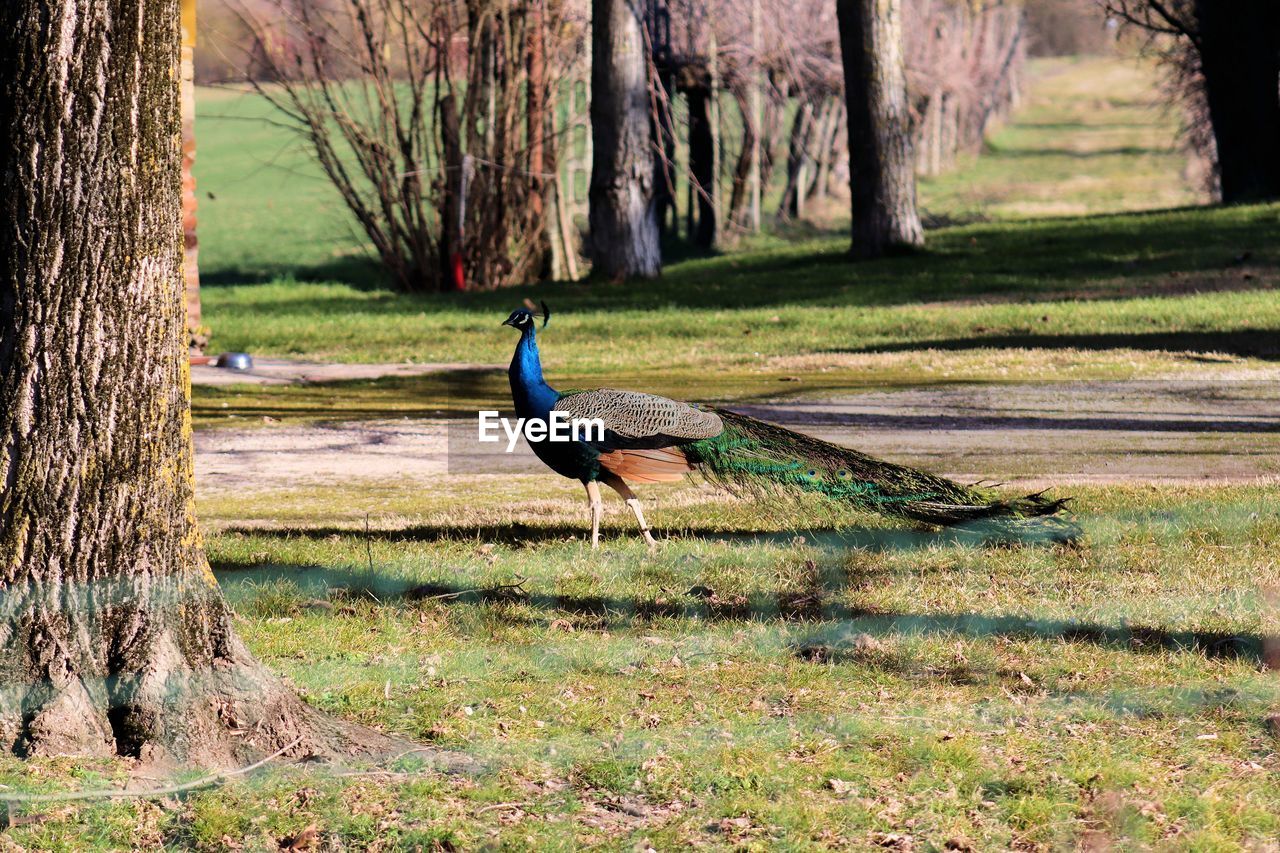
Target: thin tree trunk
{"x":771,"y":131}
{"x":802,"y":129}
{"x":623,"y":222}
{"x":827,"y":151}
{"x":702,"y":160}
{"x":536,"y":133}
{"x":882,"y":181}
{"x":738,"y":191}
{"x":114,"y":637}
{"x":1239,"y":48}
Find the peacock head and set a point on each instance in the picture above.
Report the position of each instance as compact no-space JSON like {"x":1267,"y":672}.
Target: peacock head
{"x":523,"y":318}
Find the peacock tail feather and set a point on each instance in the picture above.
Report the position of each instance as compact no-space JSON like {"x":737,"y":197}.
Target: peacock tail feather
{"x":755,"y":456}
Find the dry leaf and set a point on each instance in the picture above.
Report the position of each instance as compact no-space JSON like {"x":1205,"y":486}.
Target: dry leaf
{"x":302,"y":840}
{"x":840,"y":787}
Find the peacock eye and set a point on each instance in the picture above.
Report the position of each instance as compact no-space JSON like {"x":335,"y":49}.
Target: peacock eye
{"x":811,"y":473}
{"x":844,"y":474}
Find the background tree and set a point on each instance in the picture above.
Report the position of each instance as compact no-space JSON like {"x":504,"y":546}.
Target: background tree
{"x":964,"y":62}
{"x":430,"y":119}
{"x":623,"y":221}
{"x":1226,"y":61}
{"x":114,"y":637}
{"x":882,"y":179}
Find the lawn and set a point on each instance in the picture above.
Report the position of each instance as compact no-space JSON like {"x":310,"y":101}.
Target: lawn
{"x":774,"y":676}
{"x":755,"y":684}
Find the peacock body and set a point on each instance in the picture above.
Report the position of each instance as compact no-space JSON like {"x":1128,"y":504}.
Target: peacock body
{"x":652,"y":439}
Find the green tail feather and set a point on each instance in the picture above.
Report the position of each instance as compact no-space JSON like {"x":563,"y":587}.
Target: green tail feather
{"x":756,"y":456}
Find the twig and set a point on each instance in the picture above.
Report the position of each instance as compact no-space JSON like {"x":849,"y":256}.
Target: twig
{"x":383,"y":774}
{"x":484,"y":590}
{"x":496,"y":806}
{"x":368,"y":543}
{"x":115,"y":793}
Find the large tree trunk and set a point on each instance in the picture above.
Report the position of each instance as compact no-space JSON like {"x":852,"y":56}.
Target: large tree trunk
{"x":623,"y":221}
{"x":114,"y":637}
{"x":1239,"y":48}
{"x":882,"y":179}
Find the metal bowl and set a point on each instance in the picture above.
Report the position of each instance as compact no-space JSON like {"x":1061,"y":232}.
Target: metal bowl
{"x":235,"y":361}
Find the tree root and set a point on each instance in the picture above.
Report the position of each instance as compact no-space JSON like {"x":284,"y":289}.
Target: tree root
{"x":170,"y":717}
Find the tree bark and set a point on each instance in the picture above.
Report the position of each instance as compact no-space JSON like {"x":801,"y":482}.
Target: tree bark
{"x":114,"y":637}
{"x":802,"y":130}
{"x":622,"y":218}
{"x":1239,"y":49}
{"x":536,"y":126}
{"x":882,"y":181}
{"x":738,"y":214}
{"x":702,"y":159}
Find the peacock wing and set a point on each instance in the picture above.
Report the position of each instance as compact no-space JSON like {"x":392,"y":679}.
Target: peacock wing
{"x":642,"y":432}
{"x":635,"y":420}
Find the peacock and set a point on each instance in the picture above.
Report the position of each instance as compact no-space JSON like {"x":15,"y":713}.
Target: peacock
{"x":652,"y":439}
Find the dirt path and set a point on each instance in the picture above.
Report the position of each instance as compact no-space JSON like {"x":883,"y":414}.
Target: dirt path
{"x":1034,"y":435}
{"x":279,"y":371}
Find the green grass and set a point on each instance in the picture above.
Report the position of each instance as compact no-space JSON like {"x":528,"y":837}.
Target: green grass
{"x":1151,"y":276}
{"x":1091,"y":136}
{"x":839,"y":687}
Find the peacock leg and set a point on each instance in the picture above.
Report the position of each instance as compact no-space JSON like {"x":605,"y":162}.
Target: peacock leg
{"x":633,"y":503}
{"x":597,"y":510}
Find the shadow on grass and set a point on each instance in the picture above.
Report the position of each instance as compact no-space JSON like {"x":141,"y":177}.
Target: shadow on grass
{"x":995,"y":420}
{"x":1038,"y":153}
{"x":979,"y":534}
{"x":1106,"y":252}
{"x":1257,"y":343}
{"x":360,"y":271}
{"x":838,"y":642}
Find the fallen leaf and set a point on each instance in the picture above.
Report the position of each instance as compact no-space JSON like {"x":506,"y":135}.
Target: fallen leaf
{"x":300,"y":841}
{"x":839,"y":786}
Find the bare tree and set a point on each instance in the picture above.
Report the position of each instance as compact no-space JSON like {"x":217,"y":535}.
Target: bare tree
{"x":114,"y":637}
{"x":430,"y":117}
{"x":963,"y":63}
{"x":624,"y":225}
{"x":881,"y":166}
{"x":1227,"y":54}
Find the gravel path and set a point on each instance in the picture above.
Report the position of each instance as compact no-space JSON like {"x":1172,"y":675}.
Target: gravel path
{"x":1028,"y":434}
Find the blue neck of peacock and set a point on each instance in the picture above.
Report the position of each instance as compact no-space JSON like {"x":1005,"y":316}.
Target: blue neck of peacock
{"x":532,"y":395}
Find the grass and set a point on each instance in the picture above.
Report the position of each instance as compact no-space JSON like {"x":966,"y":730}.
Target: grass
{"x":1089,"y":137}
{"x":772,"y":677}
{"x":754,"y":684}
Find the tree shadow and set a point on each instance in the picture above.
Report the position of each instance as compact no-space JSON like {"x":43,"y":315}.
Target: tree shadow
{"x":984,"y":533}
{"x":361,"y":272}
{"x":1039,"y":153}
{"x":997,"y":420}
{"x":1255,"y":343}
{"x":842,"y":624}
{"x":1105,"y":252}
